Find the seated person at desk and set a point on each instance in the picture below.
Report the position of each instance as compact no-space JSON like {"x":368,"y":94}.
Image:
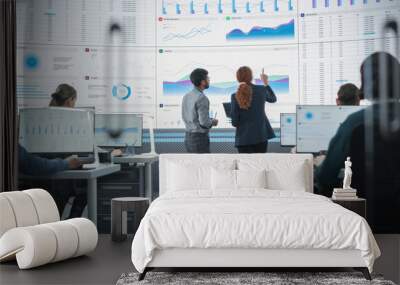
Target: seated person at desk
{"x":31,"y":164}
{"x":66,"y":96}
{"x":248,"y":113}
{"x":34,"y":165}
{"x":348,"y":95}
{"x":339,"y":147}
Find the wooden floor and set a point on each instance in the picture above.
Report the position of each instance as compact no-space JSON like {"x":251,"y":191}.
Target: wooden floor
{"x":110,"y":259}
{"x":103,"y":266}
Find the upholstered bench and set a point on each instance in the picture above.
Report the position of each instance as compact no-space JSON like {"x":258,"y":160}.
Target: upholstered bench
{"x":31,"y":231}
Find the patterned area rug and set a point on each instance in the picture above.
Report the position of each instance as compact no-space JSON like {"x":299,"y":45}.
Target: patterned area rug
{"x":244,"y":278}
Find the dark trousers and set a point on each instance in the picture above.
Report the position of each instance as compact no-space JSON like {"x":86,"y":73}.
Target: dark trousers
{"x":254,"y":148}
{"x":197,"y":142}
{"x":62,"y":190}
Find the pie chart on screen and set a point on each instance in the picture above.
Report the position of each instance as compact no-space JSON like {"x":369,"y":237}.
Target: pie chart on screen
{"x":31,"y":61}
{"x":121,"y":91}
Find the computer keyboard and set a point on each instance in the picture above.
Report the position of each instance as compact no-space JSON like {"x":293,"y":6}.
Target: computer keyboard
{"x":93,"y":165}
{"x":86,"y":159}
{"x":125,"y":154}
{"x":83,"y":167}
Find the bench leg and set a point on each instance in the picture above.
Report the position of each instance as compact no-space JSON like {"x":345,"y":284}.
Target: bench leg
{"x":364,"y":271}
{"x":143,"y":274}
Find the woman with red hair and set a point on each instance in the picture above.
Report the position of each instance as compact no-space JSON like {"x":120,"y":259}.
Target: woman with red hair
{"x":248,"y":112}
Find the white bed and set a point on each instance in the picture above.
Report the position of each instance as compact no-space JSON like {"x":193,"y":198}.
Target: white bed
{"x":214,"y":223}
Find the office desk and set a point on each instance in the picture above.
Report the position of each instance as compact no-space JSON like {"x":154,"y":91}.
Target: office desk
{"x":91,"y":176}
{"x":147,"y":159}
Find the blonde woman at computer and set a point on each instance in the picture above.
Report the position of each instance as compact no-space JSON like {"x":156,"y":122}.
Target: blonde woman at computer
{"x":66,"y":96}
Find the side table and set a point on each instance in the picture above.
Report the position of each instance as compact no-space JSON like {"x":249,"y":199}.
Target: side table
{"x":119,"y":208}
{"x":358,"y":205}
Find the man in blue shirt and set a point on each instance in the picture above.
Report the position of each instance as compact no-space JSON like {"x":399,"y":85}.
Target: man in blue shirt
{"x":195,"y":114}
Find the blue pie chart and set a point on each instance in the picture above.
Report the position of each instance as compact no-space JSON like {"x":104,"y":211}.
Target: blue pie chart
{"x":121,"y":92}
{"x":31,"y":61}
{"x":309,"y":116}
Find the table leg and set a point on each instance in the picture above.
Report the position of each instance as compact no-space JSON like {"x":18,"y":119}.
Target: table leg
{"x":141,"y":181}
{"x":92,"y":200}
{"x":116,"y":222}
{"x":148,"y":181}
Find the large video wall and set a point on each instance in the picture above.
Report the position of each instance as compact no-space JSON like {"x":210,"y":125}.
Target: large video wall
{"x":308,"y":48}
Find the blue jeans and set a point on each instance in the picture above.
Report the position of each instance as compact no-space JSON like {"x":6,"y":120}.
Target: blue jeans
{"x":197,"y":142}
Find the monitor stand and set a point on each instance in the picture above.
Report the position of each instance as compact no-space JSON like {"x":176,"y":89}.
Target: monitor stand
{"x":90,"y":163}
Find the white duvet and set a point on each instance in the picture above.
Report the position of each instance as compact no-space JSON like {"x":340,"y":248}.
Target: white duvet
{"x":250,"y":219}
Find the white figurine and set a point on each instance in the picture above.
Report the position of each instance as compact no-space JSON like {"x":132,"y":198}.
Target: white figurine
{"x":347,"y":174}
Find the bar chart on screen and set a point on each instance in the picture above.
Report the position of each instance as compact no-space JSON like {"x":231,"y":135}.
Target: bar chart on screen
{"x":223,"y":7}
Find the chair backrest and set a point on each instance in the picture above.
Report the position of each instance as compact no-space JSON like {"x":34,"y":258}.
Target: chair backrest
{"x":26,"y":208}
{"x":376,"y":176}
{"x":297,"y":168}
{"x":357,"y":154}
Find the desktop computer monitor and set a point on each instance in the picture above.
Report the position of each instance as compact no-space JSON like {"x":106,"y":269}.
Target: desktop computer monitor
{"x":317,"y":124}
{"x":128,"y":126}
{"x":288,"y":129}
{"x":87,"y":108}
{"x":56,"y":131}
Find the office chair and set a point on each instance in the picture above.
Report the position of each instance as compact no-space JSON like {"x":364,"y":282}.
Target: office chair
{"x":376,"y":176}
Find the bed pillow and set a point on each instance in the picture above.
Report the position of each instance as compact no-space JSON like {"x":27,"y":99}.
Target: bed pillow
{"x":186,"y":177}
{"x":230,"y":180}
{"x":251,"y":178}
{"x":192,"y":175}
{"x":281,"y":174}
{"x":293,"y":179}
{"x":223,"y":179}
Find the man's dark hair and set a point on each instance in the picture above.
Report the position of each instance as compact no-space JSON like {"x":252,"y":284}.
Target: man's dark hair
{"x":348,"y":94}
{"x":198,"y":75}
{"x":371,"y":75}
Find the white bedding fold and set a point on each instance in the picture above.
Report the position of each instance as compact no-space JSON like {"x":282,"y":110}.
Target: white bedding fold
{"x":250,"y":219}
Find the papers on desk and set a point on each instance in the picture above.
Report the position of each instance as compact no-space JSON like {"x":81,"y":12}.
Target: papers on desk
{"x":318,"y":160}
{"x":344,"y":194}
{"x":91,"y":165}
{"x":148,"y":154}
